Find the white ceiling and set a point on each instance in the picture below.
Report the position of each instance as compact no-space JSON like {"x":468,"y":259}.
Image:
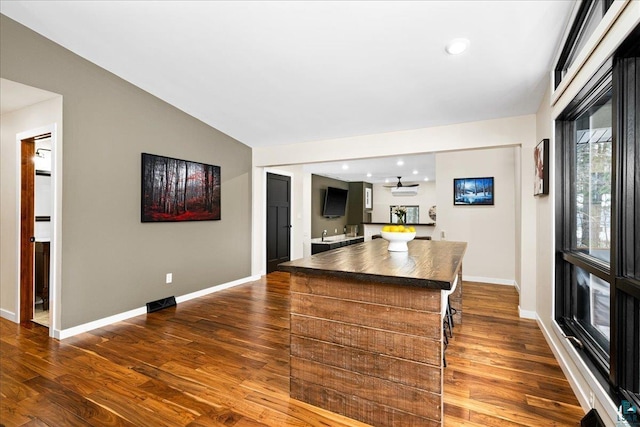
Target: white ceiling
{"x":414,"y":169}
{"x":15,"y":96}
{"x":269,"y":73}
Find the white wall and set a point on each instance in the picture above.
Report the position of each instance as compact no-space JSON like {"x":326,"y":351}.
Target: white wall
{"x":382,"y":199}
{"x":502,"y":132}
{"x":36,"y":116}
{"x":488,"y":230}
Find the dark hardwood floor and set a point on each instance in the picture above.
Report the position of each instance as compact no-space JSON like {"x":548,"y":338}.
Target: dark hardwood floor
{"x":222,"y":360}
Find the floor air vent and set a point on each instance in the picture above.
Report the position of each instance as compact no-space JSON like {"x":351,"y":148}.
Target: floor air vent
{"x":160,"y":304}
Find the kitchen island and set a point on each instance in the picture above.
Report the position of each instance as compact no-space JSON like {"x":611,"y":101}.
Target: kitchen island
{"x":366,"y":329}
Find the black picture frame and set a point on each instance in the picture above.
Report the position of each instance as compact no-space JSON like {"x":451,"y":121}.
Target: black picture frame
{"x":175,"y":190}
{"x":541,"y":168}
{"x":473,"y":191}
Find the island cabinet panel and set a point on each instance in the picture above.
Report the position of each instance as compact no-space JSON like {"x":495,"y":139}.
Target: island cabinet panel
{"x":391,"y":295}
{"x":370,"y":351}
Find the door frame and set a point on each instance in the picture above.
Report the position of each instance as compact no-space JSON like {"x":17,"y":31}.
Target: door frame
{"x":275,"y":171}
{"x":56,"y":223}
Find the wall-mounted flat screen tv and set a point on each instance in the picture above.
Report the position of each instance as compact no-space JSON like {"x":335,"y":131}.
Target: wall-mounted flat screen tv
{"x":335,"y":202}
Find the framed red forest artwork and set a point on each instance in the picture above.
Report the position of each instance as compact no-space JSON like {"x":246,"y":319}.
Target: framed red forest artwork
{"x":175,"y":190}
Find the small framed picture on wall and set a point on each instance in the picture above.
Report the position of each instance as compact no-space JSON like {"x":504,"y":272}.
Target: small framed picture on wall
{"x":541,"y":160}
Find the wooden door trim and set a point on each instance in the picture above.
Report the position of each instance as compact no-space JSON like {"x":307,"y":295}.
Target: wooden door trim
{"x":27,"y":215}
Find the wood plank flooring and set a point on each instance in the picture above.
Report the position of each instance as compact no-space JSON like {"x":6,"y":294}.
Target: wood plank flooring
{"x":223,"y":360}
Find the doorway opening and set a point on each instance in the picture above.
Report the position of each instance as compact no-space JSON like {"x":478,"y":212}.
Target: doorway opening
{"x":36,"y":202}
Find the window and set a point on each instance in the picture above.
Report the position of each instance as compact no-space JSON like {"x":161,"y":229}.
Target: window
{"x":588,"y":17}
{"x":585,"y":230}
{"x":412,"y":216}
{"x":598,"y":222}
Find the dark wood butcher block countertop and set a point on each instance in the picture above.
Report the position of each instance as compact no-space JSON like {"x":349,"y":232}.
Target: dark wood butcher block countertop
{"x":427,"y":264}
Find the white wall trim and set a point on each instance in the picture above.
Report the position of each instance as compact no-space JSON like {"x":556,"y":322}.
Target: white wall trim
{"x":566,"y":355}
{"x":66,"y":333}
{"x":216,"y":288}
{"x":491,"y":280}
{"x":527,"y":314}
{"x":9,"y":315}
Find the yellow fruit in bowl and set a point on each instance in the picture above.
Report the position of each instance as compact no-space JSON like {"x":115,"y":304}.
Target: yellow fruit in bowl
{"x":394,"y":229}
{"x":400,"y":228}
{"x":412,"y":229}
{"x":386,"y":228}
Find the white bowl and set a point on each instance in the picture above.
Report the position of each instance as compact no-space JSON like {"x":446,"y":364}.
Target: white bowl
{"x":398,"y":240}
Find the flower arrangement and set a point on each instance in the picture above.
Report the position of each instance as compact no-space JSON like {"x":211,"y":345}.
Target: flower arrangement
{"x":401,"y":213}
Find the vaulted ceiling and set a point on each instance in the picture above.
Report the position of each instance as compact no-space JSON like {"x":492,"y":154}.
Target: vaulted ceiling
{"x":271,"y":72}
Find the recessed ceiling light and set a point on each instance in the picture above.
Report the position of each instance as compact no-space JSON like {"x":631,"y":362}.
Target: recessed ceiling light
{"x":368,"y":174}
{"x":400,"y":163}
{"x":457,"y":46}
{"x":415,"y":172}
{"x":426,"y":178}
{"x":386,"y":180}
{"x":345,"y":167}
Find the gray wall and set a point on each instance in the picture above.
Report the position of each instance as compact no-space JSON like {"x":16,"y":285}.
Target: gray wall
{"x":111,"y":262}
{"x":319,"y":186}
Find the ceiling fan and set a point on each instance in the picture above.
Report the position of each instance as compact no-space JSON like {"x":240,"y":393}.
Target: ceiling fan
{"x":401,"y":185}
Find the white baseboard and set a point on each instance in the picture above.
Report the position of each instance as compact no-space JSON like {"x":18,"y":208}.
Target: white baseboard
{"x":105,"y":321}
{"x":9,"y":315}
{"x":216,"y":288}
{"x":527,"y":314}
{"x":66,"y":333}
{"x":508,"y":282}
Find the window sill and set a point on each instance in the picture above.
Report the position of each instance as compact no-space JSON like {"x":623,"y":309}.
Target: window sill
{"x":568,"y":356}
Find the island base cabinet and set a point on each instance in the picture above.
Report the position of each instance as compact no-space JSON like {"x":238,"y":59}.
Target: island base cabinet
{"x":369,"y":351}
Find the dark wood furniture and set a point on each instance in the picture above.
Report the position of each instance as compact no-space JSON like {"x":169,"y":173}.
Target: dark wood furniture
{"x":366,"y":330}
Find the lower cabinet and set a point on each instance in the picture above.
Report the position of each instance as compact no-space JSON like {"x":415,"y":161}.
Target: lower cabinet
{"x":316,"y":248}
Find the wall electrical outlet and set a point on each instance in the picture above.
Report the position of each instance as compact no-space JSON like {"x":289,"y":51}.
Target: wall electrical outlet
{"x":169,"y":277}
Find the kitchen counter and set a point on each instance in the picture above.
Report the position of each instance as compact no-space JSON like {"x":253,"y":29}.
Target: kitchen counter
{"x":371,"y":229}
{"x":332,"y":239}
{"x":366,"y":329}
{"x":432,"y":224}
{"x":333,"y":242}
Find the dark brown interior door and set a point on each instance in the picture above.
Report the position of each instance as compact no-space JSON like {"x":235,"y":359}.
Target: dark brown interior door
{"x":278,"y":220}
{"x":27,"y":218}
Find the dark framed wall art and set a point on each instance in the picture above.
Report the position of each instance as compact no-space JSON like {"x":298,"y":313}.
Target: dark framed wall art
{"x":473,"y":191}
{"x":175,"y":190}
{"x":541,"y":159}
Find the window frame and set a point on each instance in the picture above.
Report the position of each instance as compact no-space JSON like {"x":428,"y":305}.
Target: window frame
{"x":569,"y":258}
{"x":619,"y":369}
